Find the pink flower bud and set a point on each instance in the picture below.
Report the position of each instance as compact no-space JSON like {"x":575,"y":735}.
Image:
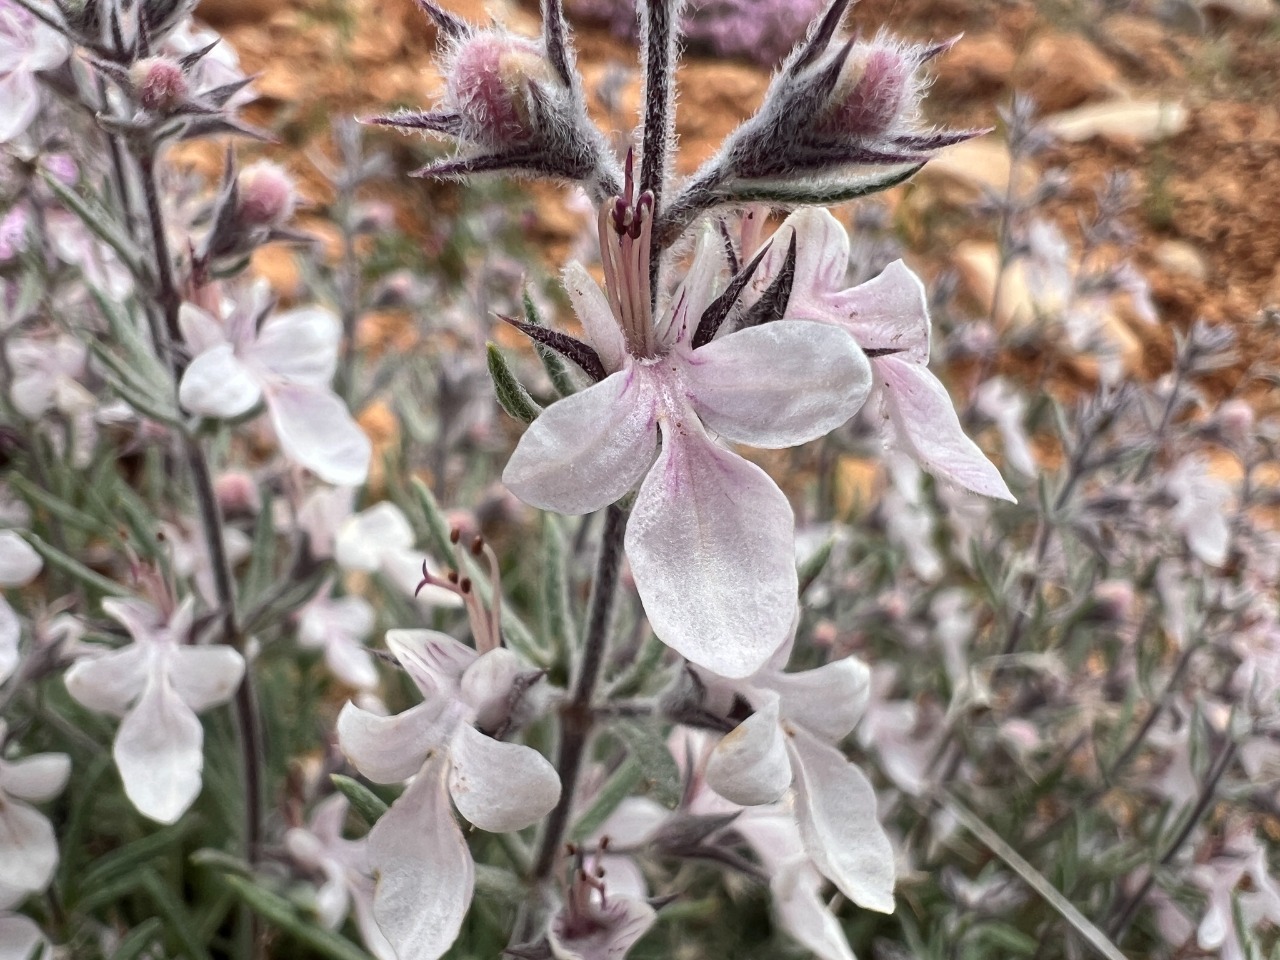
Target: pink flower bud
{"x":1236,"y":420}
{"x":237,"y":494}
{"x":159,"y":84}
{"x":1113,"y":600}
{"x":489,"y":87}
{"x":267,"y":195}
{"x":875,"y":90}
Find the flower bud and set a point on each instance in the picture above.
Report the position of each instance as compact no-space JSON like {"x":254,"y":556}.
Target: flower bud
{"x":237,"y":494}
{"x":159,"y":84}
{"x":875,"y":89}
{"x":267,"y":197}
{"x":490,"y":81}
{"x":1235,"y":417}
{"x":1113,"y":600}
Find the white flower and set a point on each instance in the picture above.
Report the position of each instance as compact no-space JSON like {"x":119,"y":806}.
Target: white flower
{"x":425,"y":872}
{"x":157,"y":685}
{"x":340,"y":628}
{"x":27,"y":46}
{"x":380,"y":540}
{"x":288,"y":362}
{"x":46,"y":376}
{"x":28,"y":848}
{"x":19,"y":565}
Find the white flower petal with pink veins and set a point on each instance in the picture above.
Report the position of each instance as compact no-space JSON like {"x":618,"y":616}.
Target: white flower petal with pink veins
{"x":298,"y":347}
{"x":592,"y":309}
{"x":827,"y":701}
{"x":316,"y":431}
{"x":425,"y":875}
{"x":750,"y":766}
{"x":498,"y":786}
{"x":435,"y":661}
{"x":19,"y":562}
{"x":836,"y":811}
{"x":218,"y":384}
{"x":778,"y":385}
{"x":610,"y":930}
{"x":588,"y":449}
{"x":393,"y":749}
{"x":159,"y":750}
{"x":925,"y":424}
{"x":710,"y":543}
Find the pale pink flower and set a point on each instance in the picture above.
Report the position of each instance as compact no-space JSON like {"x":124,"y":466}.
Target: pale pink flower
{"x":1220,"y":878}
{"x":46,"y":376}
{"x":157,"y":684}
{"x":340,"y":627}
{"x":27,"y":46}
{"x":288,"y":362}
{"x":1200,"y":509}
{"x":446,"y":746}
{"x":19,"y":565}
{"x":710,"y":538}
{"x":595,"y":923}
{"x":888,"y":316}
{"x":28,"y":847}
{"x":380,"y":539}
{"x":20,"y":937}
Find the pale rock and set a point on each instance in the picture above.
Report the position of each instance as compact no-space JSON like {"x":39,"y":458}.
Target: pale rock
{"x":969,"y":169}
{"x":1141,"y":121}
{"x":1183,"y":259}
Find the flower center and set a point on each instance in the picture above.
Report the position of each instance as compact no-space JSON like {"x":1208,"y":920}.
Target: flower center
{"x":626,"y":228}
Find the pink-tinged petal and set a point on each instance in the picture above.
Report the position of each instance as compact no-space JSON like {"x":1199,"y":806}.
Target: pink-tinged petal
{"x":10,"y":632}
{"x":926,"y":426}
{"x":888,"y":312}
{"x":608,"y":931}
{"x":143,"y":621}
{"x":109,"y":683}
{"x":499,"y":786}
{"x":750,"y":766}
{"x":316,"y":431}
{"x":488,"y":685}
{"x":779,"y":384}
{"x":217,"y":384}
{"x":591,"y":307}
{"x":20,"y":938}
{"x":159,"y":751}
{"x":710,"y":546}
{"x":19,"y":562}
{"x":696,"y":292}
{"x":28,"y":848}
{"x":374,"y":939}
{"x":392,"y":749}
{"x":803,"y":913}
{"x":435,"y":661}
{"x":201,"y":330}
{"x":36,"y":778}
{"x":425,"y":875}
{"x":299,"y":346}
{"x":352,"y":664}
{"x":836,"y":811}
{"x":587,"y":450}
{"x":827,"y":701}
{"x":345,"y":620}
{"x":822,"y":252}
{"x":20,"y":94}
{"x":205,"y":676}
{"x":365,"y":538}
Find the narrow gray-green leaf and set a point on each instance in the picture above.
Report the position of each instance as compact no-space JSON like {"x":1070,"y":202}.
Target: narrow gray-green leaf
{"x":511,"y":394}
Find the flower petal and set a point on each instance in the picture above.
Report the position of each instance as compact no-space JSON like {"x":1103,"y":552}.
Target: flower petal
{"x":710,"y":547}
{"x":37,"y":778}
{"x":28,"y":848}
{"x":888,"y":312}
{"x":19,"y":938}
{"x":802,"y":912}
{"x":392,"y":749}
{"x":159,"y":750}
{"x":19,"y":562}
{"x":925,"y":424}
{"x":696,"y":292}
{"x":592,"y":309}
{"x":217,"y":384}
{"x":299,"y":346}
{"x":827,"y":701}
{"x":10,"y":632}
{"x":750,"y":766}
{"x":316,"y":430}
{"x":608,"y":932}
{"x":498,"y":786}
{"x":587,"y":450}
{"x":365,"y":538}
{"x":822,"y":253}
{"x":201,"y":331}
{"x":205,"y":676}
{"x":109,"y":683}
{"x":425,"y":875}
{"x":435,"y":661}
{"x":836,"y":811}
{"x":778,"y":384}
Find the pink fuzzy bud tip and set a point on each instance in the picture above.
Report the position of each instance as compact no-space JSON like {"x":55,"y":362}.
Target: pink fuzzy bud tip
{"x":237,"y":494}
{"x":1237,"y":419}
{"x":876,"y":87}
{"x":489,"y":86}
{"x":267,"y":195}
{"x":159,"y":83}
{"x":1113,"y":600}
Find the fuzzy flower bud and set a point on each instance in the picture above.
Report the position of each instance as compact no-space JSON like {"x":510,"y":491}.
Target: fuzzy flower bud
{"x":493,"y":84}
{"x":875,"y":90}
{"x":1236,"y":419}
{"x":237,"y":494}
{"x":159,"y":84}
{"x":267,"y":195}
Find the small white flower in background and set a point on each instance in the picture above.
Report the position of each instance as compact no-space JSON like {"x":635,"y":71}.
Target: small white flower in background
{"x":28,"y":848}
{"x":20,"y":937}
{"x":19,"y":565}
{"x":46,"y":376}
{"x":1199,"y":510}
{"x":344,"y":864}
{"x":157,"y":684}
{"x":889,"y":318}
{"x":1220,"y":878}
{"x":1007,"y":408}
{"x":446,"y":745}
{"x":381,"y":540}
{"x":340,"y":627}
{"x":189,"y":554}
{"x":287,"y":361}
{"x":909,"y":522}
{"x":27,"y":46}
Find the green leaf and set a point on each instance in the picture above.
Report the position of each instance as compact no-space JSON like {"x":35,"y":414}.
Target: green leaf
{"x":812,"y":568}
{"x":101,"y":224}
{"x":282,"y":914}
{"x":494,"y":883}
{"x":364,"y":801}
{"x":261,"y":576}
{"x":174,"y":914}
{"x":72,"y":516}
{"x":138,"y":940}
{"x":512,"y":395}
{"x":127,"y":859}
{"x":74,"y":568}
{"x":648,"y":746}
{"x":557,"y":618}
{"x":552,"y":362}
{"x":437,"y":525}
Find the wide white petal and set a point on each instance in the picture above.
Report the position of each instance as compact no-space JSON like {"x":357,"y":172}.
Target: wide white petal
{"x":28,"y":848}
{"x":351,"y":663}
{"x":697,"y":290}
{"x":37,"y":778}
{"x":19,"y":938}
{"x":836,"y":811}
{"x":425,"y":875}
{"x":324,"y":621}
{"x":299,"y":346}
{"x":827,"y":701}
{"x":19,"y":563}
{"x":749,"y":765}
{"x":201,"y":331}
{"x":888,"y":312}
{"x":10,"y":632}
{"x":779,"y":384}
{"x":159,"y":750}
{"x":20,"y":94}
{"x":143,"y":621}
{"x":587,"y":450}
{"x":591,"y":307}
{"x":822,"y":252}
{"x":392,"y":749}
{"x":365,"y":538}
{"x":217,"y":384}
{"x":802,"y":912}
{"x":205,"y":676}
{"x":499,"y":786}
{"x":925,"y":424}
{"x":109,"y":683}
{"x":710,"y":547}
{"x":316,"y":431}
{"x":435,"y":661}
